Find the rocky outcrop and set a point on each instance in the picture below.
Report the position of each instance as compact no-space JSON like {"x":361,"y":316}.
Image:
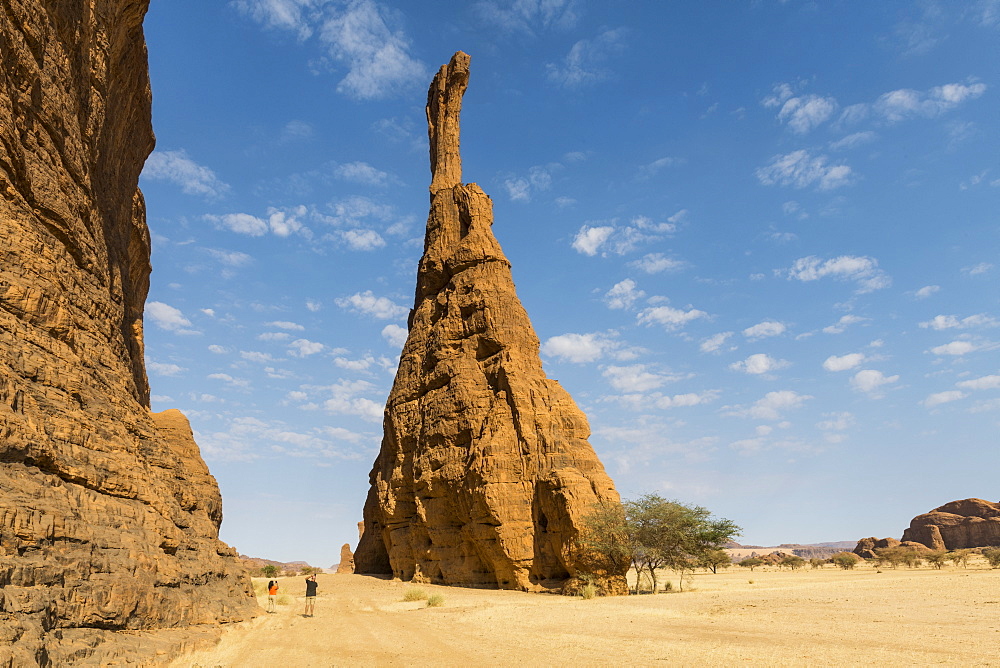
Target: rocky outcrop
{"x":108,"y":516}
{"x":866,"y":546}
{"x":957,"y":525}
{"x":485,"y":470}
{"x":346,"y":564}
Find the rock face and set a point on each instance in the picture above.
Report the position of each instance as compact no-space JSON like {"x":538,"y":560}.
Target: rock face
{"x":957,"y":525}
{"x":485,"y":470}
{"x":866,"y":546}
{"x":108,"y":515}
{"x":346,"y":564}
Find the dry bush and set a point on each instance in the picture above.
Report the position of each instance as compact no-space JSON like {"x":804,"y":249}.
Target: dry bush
{"x":435,"y":601}
{"x":415,"y":594}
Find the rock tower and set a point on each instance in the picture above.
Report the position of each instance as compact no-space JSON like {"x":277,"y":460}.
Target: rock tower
{"x":109,"y":517}
{"x":485,"y":470}
{"x":957,"y":525}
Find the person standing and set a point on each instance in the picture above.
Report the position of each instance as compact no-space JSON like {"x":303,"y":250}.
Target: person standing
{"x":272,"y":595}
{"x":311,"y":595}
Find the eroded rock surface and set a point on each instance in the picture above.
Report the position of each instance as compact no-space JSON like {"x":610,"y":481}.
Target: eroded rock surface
{"x":485,"y":470}
{"x":957,"y":525}
{"x":108,"y":516}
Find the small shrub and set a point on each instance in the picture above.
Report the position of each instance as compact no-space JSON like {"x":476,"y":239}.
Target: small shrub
{"x":588,"y":591}
{"x":283,"y":599}
{"x":749,"y":581}
{"x":415,"y":594}
{"x":845,"y":560}
{"x":959,"y":558}
{"x":437,"y":600}
{"x":993,"y":557}
{"x":936,"y":559}
{"x":669,"y":586}
{"x":816,"y":562}
{"x":259,"y":588}
{"x":752,"y":563}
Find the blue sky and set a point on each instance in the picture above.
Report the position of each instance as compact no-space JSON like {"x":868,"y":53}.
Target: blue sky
{"x":758,"y":241}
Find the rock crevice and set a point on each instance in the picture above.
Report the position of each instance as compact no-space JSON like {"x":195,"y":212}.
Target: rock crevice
{"x":485,"y":471}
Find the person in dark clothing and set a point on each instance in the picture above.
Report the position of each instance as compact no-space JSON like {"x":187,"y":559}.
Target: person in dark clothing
{"x":311,"y":595}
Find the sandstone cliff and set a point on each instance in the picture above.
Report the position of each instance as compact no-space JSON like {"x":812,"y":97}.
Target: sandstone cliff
{"x":957,"y":525}
{"x":108,"y":515}
{"x":485,"y":470}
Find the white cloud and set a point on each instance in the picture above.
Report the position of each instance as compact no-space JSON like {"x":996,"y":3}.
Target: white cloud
{"x":780,"y":93}
{"x":764,"y":329}
{"x":285,"y":14}
{"x":652,"y":168}
{"x":927,"y":291}
{"x":539,"y":178}
{"x":634,"y":378}
{"x":853,"y":141}
{"x":217,"y":349}
{"x":623,"y":295}
{"x":670,"y":318}
{"x":229,"y":258}
{"x":956,"y":348}
{"x":844,"y":362}
{"x":842,"y":324}
{"x":758,"y":364}
{"x":799,"y":169}
{"x":904,"y":104}
{"x":361,"y":172}
{"x":274,"y":336}
{"x":982,"y":383}
{"x":167,"y":317}
{"x":590,"y":239}
{"x":977,"y":269}
{"x":258,"y":357}
{"x":802,"y":114}
{"x":942,"y":398}
{"x":363,"y":240}
{"x":836,"y":422}
{"x":176,"y":167}
{"x":871,"y":381}
{"x":580,"y":348}
{"x":284,"y":324}
{"x":585,"y":62}
{"x":654,"y":263}
{"x":241,"y":223}
{"x":685,"y":400}
{"x":714,"y":342}
{"x":366,"y":302}
{"x":940,"y":322}
{"x":160,"y":369}
{"x":395,"y":335}
{"x":862,"y":270}
{"x":304,"y":348}
{"x":229,"y":380}
{"x":528,"y":15}
{"x":771,"y":405}
{"x":345,"y":400}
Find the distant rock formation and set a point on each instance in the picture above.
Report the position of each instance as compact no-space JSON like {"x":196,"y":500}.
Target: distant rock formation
{"x":485,"y":470}
{"x":346,"y":564}
{"x":109,"y":517}
{"x":866,"y":546}
{"x":957,"y":525}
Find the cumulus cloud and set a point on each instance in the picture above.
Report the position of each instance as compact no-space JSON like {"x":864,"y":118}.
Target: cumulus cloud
{"x":177,"y":168}
{"x":167,"y":317}
{"x":714,"y":342}
{"x":940,"y":322}
{"x":395,"y":335}
{"x":623,"y":295}
{"x":977,"y":269}
{"x":621,"y":239}
{"x":982,"y":383}
{"x":771,"y":406}
{"x":304,"y":348}
{"x":636,"y":378}
{"x":905,"y":103}
{"x":939,"y":398}
{"x":362,"y":240}
{"x":800,"y":169}
{"x":230,"y":259}
{"x":802,"y":114}
{"x":651,"y":169}
{"x":862,"y":270}
{"x":842,"y":324}
{"x":836,"y":421}
{"x":346,"y":399}
{"x":670,"y":318}
{"x":285,"y":324}
{"x":586,"y":62}
{"x":764,"y":329}
{"x":654,"y":263}
{"x":588,"y":240}
{"x":539,"y":178}
{"x":927,"y":291}
{"x":361,"y":172}
{"x":844,"y":362}
{"x":367,"y":303}
{"x":759,"y":364}
{"x":161,"y":369}
{"x":528,"y":16}
{"x":955,"y":348}
{"x":871,"y":382}
{"x":280,"y":222}
{"x":580,"y":348}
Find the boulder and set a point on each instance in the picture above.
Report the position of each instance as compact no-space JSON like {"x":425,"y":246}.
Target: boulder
{"x":109,"y":517}
{"x":957,"y":525}
{"x":866,"y":546}
{"x":485,"y":471}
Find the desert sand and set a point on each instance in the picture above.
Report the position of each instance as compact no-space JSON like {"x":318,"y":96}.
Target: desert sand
{"x":763,"y":618}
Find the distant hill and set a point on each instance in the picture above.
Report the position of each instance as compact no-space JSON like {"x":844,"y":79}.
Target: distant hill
{"x":256,"y":563}
{"x":804,"y":550}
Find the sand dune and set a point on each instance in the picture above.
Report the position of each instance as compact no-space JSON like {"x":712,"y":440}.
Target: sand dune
{"x":773,"y":618}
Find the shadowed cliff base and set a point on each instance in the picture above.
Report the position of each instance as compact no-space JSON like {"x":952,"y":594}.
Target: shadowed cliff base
{"x":485,"y":470}
{"x":109,"y":517}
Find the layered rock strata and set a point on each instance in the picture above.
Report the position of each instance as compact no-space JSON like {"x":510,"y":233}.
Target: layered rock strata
{"x":957,"y":525}
{"x":485,"y":470}
{"x":108,"y":516}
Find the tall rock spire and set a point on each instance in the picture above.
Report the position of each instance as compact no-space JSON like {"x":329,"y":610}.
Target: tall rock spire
{"x":485,"y":471}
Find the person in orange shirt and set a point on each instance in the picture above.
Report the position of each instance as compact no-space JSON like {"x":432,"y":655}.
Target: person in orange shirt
{"x":272,"y":594}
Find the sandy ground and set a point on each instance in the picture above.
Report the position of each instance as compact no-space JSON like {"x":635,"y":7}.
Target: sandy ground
{"x":764,"y":618}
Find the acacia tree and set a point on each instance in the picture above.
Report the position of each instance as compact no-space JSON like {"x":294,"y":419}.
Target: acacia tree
{"x":269,"y":570}
{"x":712,"y":559}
